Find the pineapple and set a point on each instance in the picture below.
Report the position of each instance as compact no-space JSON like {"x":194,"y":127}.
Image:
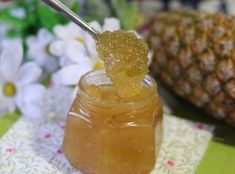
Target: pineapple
{"x":194,"y":54}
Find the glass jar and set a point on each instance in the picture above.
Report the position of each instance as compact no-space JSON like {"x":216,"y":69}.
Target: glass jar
{"x":106,"y":135}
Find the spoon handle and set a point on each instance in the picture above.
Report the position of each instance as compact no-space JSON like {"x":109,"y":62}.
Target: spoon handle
{"x":61,"y":8}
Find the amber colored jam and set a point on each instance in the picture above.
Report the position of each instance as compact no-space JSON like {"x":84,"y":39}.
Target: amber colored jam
{"x":109,"y":134}
{"x":125,"y":59}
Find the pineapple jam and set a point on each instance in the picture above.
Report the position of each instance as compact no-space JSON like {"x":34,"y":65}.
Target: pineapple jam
{"x":125,"y":58}
{"x":115,"y":123}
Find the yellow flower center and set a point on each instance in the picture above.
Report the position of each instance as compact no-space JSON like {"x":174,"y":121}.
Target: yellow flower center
{"x":9,"y":89}
{"x":47,"y":50}
{"x":81,"y":40}
{"x":99,"y":64}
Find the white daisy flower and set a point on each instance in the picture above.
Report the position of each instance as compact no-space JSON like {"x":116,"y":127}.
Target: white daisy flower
{"x":52,"y":104}
{"x":17,"y":80}
{"x":56,"y":103}
{"x":78,"y":48}
{"x":38,"y":50}
{"x":69,"y":37}
{"x":30,"y":100}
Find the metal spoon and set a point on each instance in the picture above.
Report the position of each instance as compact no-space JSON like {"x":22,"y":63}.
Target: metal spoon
{"x":62,"y":9}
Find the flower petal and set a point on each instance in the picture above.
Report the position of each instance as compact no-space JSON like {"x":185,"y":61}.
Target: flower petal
{"x":2,"y":80}
{"x":57,"y":48}
{"x":33,"y":94}
{"x":29,"y":100}
{"x":10,"y":60}
{"x":74,"y":93}
{"x":6,"y":42}
{"x":95,"y":25}
{"x":44,"y":36}
{"x":28,"y":73}
{"x":69,"y":31}
{"x":32,"y":112}
{"x":33,"y":47}
{"x":71,"y":74}
{"x":31,"y":40}
{"x":60,"y":31}
{"x":90,"y":45}
{"x":58,"y":100}
{"x":64,"y":61}
{"x":37,"y":51}
{"x":56,"y":80}
{"x":51,"y":65}
{"x":3,"y":107}
{"x":76,"y":51}
{"x":111,"y":24}
{"x":74,"y":31}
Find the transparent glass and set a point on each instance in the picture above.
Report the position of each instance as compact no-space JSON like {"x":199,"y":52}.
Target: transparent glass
{"x":110,"y":136}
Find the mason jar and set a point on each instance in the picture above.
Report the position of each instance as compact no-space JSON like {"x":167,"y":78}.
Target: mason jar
{"x":106,"y":134}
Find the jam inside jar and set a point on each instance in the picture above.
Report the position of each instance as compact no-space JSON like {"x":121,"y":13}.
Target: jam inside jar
{"x":107,"y":134}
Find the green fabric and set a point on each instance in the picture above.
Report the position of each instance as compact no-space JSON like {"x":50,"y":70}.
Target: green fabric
{"x":7,"y":121}
{"x":218,"y":159}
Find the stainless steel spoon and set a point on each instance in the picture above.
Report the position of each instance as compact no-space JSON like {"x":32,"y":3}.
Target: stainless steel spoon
{"x":62,"y":9}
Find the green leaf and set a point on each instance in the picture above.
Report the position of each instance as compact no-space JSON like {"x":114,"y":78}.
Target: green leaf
{"x":6,"y":17}
{"x":75,"y":7}
{"x":47,"y":17}
{"x":128,"y":13}
{"x":38,"y":15}
{"x":89,"y":18}
{"x":12,"y":33}
{"x":21,"y":27}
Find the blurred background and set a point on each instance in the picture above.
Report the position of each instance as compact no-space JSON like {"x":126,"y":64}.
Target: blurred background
{"x":155,"y":5}
{"x":14,"y":12}
{"x":21,"y":19}
{"x":61,"y":53}
{"x":104,"y":8}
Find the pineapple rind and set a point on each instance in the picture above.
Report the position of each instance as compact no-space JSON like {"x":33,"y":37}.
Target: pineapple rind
{"x":194,"y":54}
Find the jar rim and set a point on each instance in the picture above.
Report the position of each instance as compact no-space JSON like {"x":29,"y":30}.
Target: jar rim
{"x":148,"y":80}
